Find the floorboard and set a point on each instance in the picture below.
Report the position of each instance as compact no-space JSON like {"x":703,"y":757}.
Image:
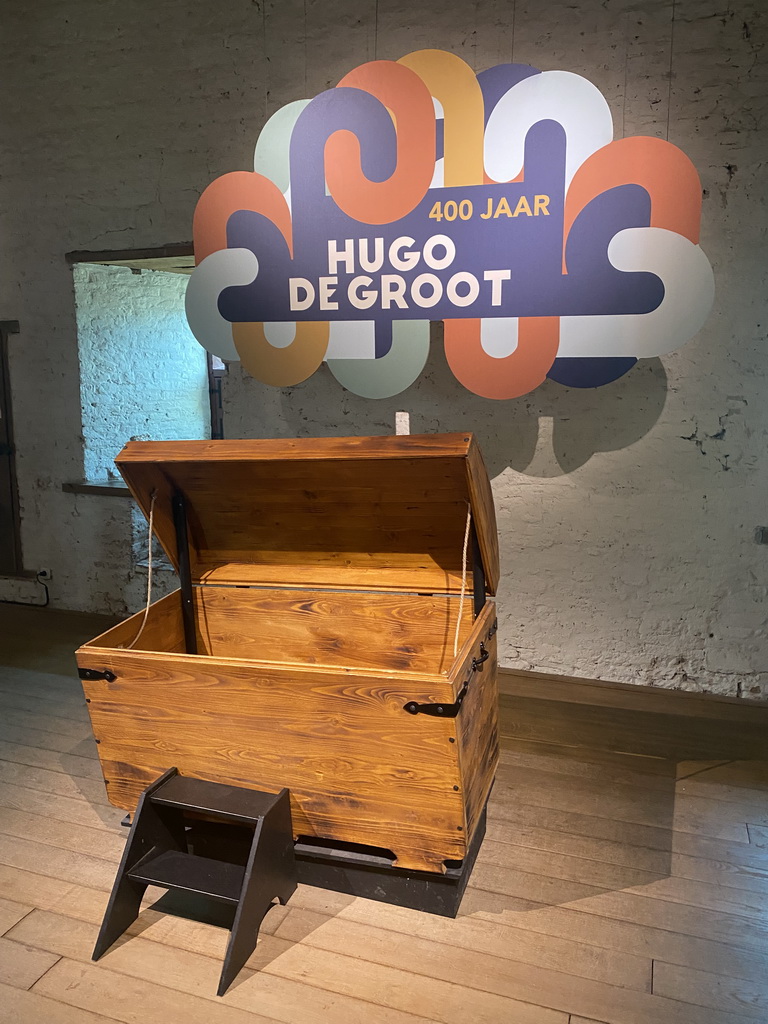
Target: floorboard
{"x":22,"y":965}
{"x":40,"y":739}
{"x":623,"y":879}
{"x":25,"y":1007}
{"x":11,"y":913}
{"x":106,"y":844}
{"x":758,"y":836}
{"x":712,"y":990}
{"x":721,"y":864}
{"x":33,"y":757}
{"x":62,"y":808}
{"x":663,"y":734}
{"x":654,"y":831}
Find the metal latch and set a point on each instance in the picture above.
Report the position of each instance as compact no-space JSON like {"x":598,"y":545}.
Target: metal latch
{"x":93,"y":674}
{"x":484,"y":656}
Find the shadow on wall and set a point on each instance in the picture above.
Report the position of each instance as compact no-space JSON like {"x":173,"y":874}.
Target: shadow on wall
{"x":550,"y":432}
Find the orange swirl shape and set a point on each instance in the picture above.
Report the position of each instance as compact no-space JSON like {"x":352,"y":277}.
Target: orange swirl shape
{"x":410,"y":105}
{"x":663,"y":170}
{"x":523,"y":370}
{"x":239,"y":190}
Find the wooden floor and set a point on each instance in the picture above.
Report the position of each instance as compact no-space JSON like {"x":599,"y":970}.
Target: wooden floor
{"x":623,"y":878}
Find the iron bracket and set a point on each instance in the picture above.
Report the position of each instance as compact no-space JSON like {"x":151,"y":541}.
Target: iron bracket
{"x":452,"y":710}
{"x":449,"y":710}
{"x":92,"y":674}
{"x":439,"y":710}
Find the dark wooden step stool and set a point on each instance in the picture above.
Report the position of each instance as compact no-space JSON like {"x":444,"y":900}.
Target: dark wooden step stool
{"x":157,"y":853}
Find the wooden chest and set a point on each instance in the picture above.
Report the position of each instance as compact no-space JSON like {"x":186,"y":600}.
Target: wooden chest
{"x":333,"y":634}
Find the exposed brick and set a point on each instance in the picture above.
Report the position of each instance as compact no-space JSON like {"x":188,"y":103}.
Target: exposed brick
{"x":627,"y":524}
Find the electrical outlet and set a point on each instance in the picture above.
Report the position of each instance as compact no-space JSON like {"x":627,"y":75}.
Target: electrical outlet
{"x":44,"y":574}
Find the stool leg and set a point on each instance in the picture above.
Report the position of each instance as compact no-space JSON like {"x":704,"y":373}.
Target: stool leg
{"x":270,"y":873}
{"x":122,"y":911}
{"x":148,"y":832}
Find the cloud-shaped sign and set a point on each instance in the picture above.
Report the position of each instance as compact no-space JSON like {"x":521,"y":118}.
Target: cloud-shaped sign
{"x":416,"y":191}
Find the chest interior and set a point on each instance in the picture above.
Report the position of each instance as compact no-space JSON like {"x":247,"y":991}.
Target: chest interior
{"x":339,"y":629}
{"x":365,"y":552}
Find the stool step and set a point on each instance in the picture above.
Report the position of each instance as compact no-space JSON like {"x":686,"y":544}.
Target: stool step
{"x":226,"y":803}
{"x":158,"y":852}
{"x":186,"y":872}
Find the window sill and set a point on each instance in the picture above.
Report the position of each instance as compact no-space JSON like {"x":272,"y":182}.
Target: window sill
{"x":104,"y":488}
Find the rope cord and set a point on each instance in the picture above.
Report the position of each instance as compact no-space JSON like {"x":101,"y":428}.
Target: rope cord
{"x":463,"y":579}
{"x":135,"y":640}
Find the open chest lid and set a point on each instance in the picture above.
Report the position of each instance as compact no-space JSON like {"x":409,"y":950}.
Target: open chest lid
{"x":367,"y":513}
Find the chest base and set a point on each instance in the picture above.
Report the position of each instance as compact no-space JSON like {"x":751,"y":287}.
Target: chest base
{"x":372,"y":878}
{"x":354,"y":870}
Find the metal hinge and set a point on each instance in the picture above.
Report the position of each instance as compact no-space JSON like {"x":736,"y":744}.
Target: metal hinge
{"x":92,"y":674}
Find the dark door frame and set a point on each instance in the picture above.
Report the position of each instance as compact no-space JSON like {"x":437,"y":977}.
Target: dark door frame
{"x":8,"y":327}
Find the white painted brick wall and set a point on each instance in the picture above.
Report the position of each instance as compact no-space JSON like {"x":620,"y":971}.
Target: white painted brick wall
{"x":142,"y":373}
{"x":627,"y":515}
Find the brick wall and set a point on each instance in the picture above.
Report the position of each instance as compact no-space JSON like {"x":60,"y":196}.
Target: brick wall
{"x":627,"y":514}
